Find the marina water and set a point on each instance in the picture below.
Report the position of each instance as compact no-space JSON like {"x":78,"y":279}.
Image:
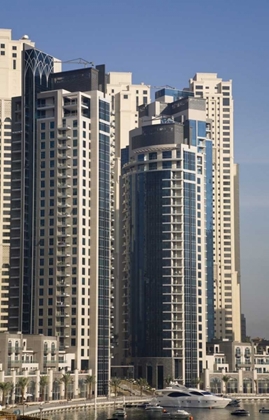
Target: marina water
{"x":139,"y":414}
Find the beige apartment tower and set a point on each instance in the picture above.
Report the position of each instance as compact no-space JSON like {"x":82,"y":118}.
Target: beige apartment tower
{"x":125,"y":99}
{"x":219,"y":109}
{"x":10,"y":85}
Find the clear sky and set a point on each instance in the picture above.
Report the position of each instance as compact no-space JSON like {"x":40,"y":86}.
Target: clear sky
{"x":167,"y":42}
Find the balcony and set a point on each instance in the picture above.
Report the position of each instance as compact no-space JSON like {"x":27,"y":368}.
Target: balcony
{"x":63,"y":244}
{"x":63,"y":224}
{"x":62,"y":315}
{"x":63,"y":214}
{"x":62,"y":194}
{"x":63,"y":176}
{"x":50,"y":363}
{"x":63,"y":205}
{"x":64,"y":147}
{"x":63,"y":156}
{"x":64,"y":166}
{"x":62,"y":304}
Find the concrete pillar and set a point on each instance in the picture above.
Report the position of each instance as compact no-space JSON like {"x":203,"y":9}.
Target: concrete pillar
{"x":13,"y":374}
{"x":50,"y":385}
{"x":206,"y":380}
{"x":37,"y":387}
{"x":240,"y":382}
{"x":62,"y":386}
{"x":2,"y":376}
{"x":254,"y":381}
{"x":75,"y":384}
{"x":223,"y":385}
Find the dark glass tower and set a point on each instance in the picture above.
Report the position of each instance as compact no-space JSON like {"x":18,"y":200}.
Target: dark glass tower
{"x":165,"y":253}
{"x":37,"y":67}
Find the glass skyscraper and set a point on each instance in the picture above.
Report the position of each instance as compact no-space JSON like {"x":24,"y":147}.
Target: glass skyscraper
{"x":166,"y":218}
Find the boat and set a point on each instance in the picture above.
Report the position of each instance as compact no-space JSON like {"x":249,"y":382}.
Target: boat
{"x":234,"y":403}
{"x":264,"y":410}
{"x":119,"y":413}
{"x":240,"y":412}
{"x":179,"y":414}
{"x":144,"y":405}
{"x":154,"y":407}
{"x":179,"y":396}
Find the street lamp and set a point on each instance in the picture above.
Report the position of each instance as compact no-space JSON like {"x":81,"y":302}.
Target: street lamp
{"x":40,"y":409}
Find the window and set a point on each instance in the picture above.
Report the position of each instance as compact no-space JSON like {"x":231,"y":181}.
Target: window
{"x":14,"y":65}
{"x":226,"y":101}
{"x":125,"y":96}
{"x":167,"y":154}
{"x":2,"y":52}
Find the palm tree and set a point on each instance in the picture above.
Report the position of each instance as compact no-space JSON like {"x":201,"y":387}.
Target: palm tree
{"x":90,"y":381}
{"x":5,"y":388}
{"x":44,"y":380}
{"x":168,"y":380}
{"x":66,"y":379}
{"x":22,"y":385}
{"x":226,"y":379}
{"x":197,"y":382}
{"x":115,"y":383}
{"x":215,"y":383}
{"x":142,"y":383}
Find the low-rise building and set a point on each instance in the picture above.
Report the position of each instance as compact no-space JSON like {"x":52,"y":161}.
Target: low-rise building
{"x":21,"y":352}
{"x":237,"y":367}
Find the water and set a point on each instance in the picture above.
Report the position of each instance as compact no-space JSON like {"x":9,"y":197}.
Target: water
{"x":139,"y":414}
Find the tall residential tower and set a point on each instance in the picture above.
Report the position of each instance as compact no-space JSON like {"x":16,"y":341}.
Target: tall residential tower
{"x":227,"y":299}
{"x":166,"y":211}
{"x":60,"y":282}
{"x":10,"y":85}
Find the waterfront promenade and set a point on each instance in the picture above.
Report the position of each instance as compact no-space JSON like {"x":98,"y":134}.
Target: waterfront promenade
{"x":33,"y":409}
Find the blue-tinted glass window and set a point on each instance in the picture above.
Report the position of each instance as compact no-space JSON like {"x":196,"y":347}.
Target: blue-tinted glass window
{"x":167,"y":165}
{"x":201,"y":129}
{"x":189,"y":161}
{"x":153,"y":166}
{"x":167,"y":154}
{"x":153,"y":156}
{"x":104,"y":110}
{"x":141,"y":157}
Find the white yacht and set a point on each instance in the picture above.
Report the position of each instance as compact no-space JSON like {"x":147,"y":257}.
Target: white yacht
{"x":178,"y":396}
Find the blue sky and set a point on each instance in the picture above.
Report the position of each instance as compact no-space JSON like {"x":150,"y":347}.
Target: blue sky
{"x":167,"y":42}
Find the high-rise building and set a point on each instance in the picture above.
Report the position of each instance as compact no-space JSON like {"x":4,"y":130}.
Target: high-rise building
{"x":61,"y":211}
{"x":166,"y":223}
{"x":10,"y":85}
{"x":227,"y":297}
{"x":126,"y":98}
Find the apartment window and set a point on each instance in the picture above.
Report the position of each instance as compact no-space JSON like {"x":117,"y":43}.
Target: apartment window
{"x":2,"y":52}
{"x":14,"y":65}
{"x":125,"y":96}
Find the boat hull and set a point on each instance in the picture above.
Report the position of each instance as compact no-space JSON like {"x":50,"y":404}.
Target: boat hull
{"x":190,"y":402}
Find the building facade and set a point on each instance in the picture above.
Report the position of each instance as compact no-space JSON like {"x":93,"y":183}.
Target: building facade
{"x":164,"y":241}
{"x":125,"y":98}
{"x":10,"y":85}
{"x":227,"y":297}
{"x":60,"y":283}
